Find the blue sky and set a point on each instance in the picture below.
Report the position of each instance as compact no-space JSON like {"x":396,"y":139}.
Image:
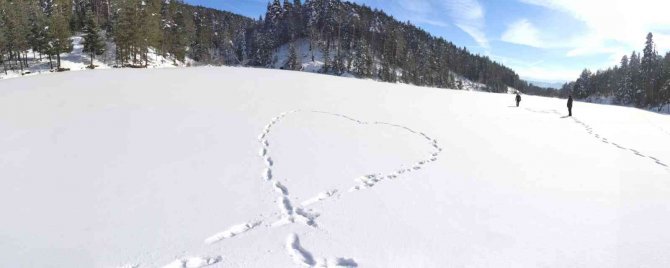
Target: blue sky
{"x":543,"y":40}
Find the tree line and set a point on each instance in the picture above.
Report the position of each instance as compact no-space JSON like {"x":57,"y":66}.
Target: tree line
{"x":131,"y":28}
{"x":352,"y":38}
{"x":369,"y":43}
{"x":641,"y":80}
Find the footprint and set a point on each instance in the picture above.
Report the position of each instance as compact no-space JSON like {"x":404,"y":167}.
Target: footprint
{"x":303,"y":257}
{"x":318,"y":198}
{"x":280,"y":188}
{"x":194,"y":262}
{"x":305,"y":217}
{"x":267,"y":174}
{"x":285,"y":206}
{"x":232,"y":232}
{"x":298,"y":253}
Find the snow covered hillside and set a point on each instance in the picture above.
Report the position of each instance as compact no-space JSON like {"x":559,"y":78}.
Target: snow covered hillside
{"x":242,"y":167}
{"x":312,"y":60}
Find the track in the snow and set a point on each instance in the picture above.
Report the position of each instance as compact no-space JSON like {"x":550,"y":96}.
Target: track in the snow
{"x":291,"y":212}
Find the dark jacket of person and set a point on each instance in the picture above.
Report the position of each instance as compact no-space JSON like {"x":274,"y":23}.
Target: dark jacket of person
{"x":518,"y":98}
{"x":570,"y":102}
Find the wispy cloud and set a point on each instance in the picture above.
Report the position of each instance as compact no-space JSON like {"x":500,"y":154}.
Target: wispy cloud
{"x":427,"y":12}
{"x":523,"y":32}
{"x":540,"y":70}
{"x":547,"y":74}
{"x":613,"y":26}
{"x":469,"y":16}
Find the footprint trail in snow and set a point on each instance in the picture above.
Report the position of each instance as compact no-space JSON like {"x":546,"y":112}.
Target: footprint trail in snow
{"x":604,"y":140}
{"x":296,"y":213}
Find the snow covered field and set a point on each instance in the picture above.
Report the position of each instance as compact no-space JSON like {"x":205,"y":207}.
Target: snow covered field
{"x":241,"y":167}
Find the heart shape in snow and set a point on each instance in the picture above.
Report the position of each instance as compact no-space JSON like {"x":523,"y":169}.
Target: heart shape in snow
{"x":292,"y":213}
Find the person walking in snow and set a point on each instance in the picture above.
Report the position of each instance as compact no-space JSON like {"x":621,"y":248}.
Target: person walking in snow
{"x":570,"y":105}
{"x":518,"y":99}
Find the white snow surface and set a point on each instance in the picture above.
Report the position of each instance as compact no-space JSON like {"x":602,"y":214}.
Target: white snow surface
{"x":243,"y":167}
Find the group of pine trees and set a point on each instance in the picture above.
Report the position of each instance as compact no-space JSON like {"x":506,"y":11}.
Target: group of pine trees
{"x":130,"y":28}
{"x":349,"y":38}
{"x":40,"y":26}
{"x":641,"y":80}
{"x":369,"y":43}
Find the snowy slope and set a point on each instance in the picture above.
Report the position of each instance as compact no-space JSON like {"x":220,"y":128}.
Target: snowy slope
{"x":312,"y":60}
{"x":242,"y":167}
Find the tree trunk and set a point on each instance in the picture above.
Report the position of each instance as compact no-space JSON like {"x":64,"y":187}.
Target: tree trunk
{"x":20,"y":61}
{"x":4,"y":64}
{"x":92,"y":57}
{"x":51,"y":63}
{"x":58,"y":57}
{"x":109,"y":11}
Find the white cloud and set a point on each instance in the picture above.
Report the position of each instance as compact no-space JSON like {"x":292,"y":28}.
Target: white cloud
{"x":547,"y":74}
{"x":468,"y":15}
{"x":614,"y":25}
{"x":662,"y":42}
{"x":523,"y":32}
{"x":421,"y":6}
{"x":539,"y":70}
{"x":429,"y":12}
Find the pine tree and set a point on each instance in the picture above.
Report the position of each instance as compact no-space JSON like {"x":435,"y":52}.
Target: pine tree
{"x":3,"y":39}
{"x":16,"y":32}
{"x":298,"y":22}
{"x":274,"y":13}
{"x":125,"y":31}
{"x":636,"y":80}
{"x":39,"y":32}
{"x":180,"y":32}
{"x":582,"y":85}
{"x":93,"y":40}
{"x":649,"y":71}
{"x":326,"y":57}
{"x":153,"y":32}
{"x":664,"y":91}
{"x":293,"y":62}
{"x":623,"y":94}
{"x":60,"y":31}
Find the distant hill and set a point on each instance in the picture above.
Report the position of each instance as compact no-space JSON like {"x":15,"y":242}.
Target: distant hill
{"x":552,"y":85}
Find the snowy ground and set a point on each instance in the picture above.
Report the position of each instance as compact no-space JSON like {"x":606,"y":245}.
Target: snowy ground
{"x":241,"y":167}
